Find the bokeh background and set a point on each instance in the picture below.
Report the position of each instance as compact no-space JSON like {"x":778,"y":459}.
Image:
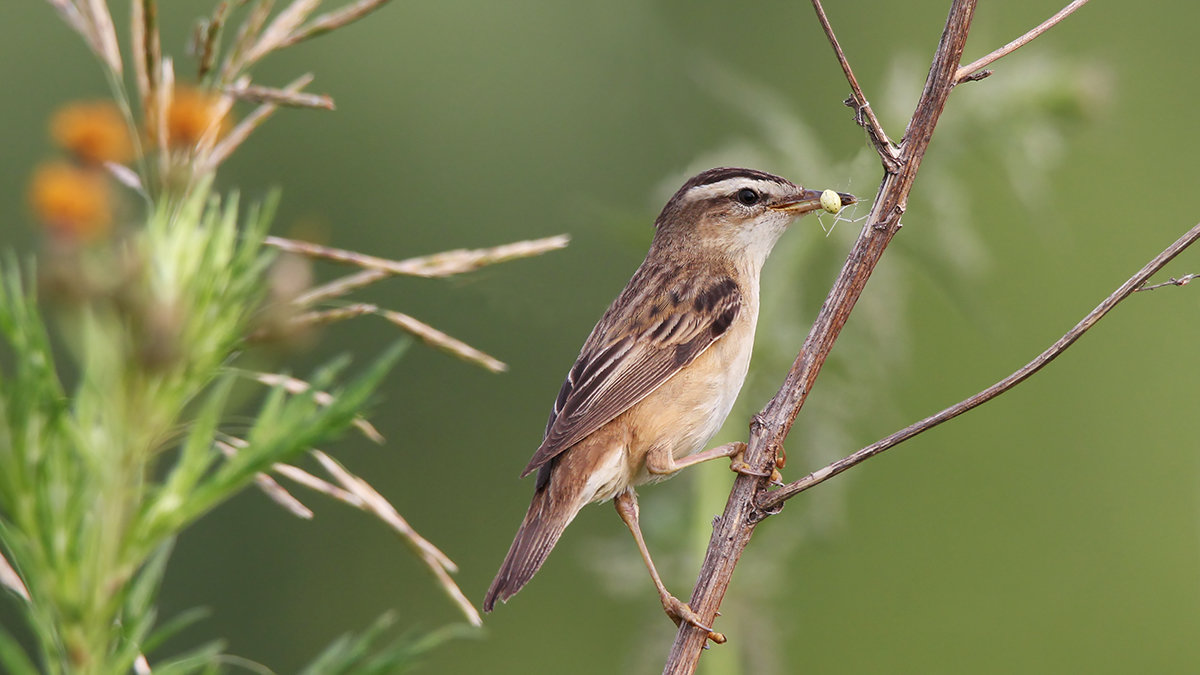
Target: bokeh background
{"x":1057,"y":529}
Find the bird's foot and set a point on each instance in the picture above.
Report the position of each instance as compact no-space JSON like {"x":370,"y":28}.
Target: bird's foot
{"x":680,"y":611}
{"x":737,"y":464}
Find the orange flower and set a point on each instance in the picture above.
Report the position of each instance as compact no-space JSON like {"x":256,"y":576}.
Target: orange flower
{"x":95,"y":132}
{"x":191,"y":115}
{"x":71,"y":201}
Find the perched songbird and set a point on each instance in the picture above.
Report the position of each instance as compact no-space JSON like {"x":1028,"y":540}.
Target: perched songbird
{"x":660,"y":372}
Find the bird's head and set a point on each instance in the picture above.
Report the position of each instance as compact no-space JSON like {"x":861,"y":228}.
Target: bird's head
{"x":738,"y":213}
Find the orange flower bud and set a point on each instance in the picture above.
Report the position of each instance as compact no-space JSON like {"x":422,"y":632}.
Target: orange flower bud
{"x":72,"y":202}
{"x":192,"y":114}
{"x":95,"y":132}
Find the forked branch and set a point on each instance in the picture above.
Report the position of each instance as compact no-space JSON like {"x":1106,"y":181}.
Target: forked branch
{"x":750,"y":501}
{"x":736,"y":525}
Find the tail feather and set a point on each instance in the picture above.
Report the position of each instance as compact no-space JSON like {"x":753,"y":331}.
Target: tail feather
{"x":544,"y":523}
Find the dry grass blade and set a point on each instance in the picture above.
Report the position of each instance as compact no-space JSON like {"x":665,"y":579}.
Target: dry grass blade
{"x":207,"y":34}
{"x":147,"y":49}
{"x":70,"y":14}
{"x":433,"y":266}
{"x":105,"y":34}
{"x":81,"y":20}
{"x":242,"y":131}
{"x":302,"y":477}
{"x":439,"y":340}
{"x":465,"y":260}
{"x":443,"y":264}
{"x":207,"y":143}
{"x":334,"y":20}
{"x":235,"y":59}
{"x":162,"y":104}
{"x":268,"y":485}
{"x":293,"y":385}
{"x":328,"y":316}
{"x":358,"y":493}
{"x":340,"y":287}
{"x":256,"y":94}
{"x":137,"y":35}
{"x":280,"y":29}
{"x":126,"y":176}
{"x":280,"y":496}
{"x":373,"y":502}
{"x":11,"y":580}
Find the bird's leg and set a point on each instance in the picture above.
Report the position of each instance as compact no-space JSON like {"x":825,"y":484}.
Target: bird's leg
{"x":661,"y":462}
{"x":677,"y":610}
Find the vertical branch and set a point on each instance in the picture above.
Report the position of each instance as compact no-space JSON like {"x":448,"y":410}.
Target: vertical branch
{"x":734,"y":528}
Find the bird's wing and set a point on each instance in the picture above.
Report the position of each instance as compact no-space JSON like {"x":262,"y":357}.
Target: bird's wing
{"x":655,"y":328}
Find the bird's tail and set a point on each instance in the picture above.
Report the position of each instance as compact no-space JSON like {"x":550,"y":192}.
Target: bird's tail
{"x":549,"y":514}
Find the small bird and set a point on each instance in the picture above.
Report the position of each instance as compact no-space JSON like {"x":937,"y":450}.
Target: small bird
{"x":661,"y":370}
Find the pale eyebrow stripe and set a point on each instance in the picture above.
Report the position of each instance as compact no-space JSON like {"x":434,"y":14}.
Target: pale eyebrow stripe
{"x":727,"y":186}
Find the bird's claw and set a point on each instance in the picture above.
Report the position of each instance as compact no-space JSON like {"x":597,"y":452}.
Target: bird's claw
{"x":738,"y":465}
{"x":680,"y":611}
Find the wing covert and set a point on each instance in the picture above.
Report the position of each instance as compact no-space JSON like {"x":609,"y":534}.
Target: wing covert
{"x":644,"y":338}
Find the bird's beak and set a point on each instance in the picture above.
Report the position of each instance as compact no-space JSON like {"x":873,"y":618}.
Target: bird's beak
{"x":810,"y":200}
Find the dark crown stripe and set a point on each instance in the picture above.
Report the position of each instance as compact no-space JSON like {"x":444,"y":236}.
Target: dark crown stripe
{"x":725,"y":173}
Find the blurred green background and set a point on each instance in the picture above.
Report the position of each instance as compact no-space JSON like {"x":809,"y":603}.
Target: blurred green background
{"x":1056,"y":529}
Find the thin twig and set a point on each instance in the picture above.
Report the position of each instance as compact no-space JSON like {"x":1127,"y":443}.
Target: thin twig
{"x":1181,"y":281}
{"x":772,"y":500}
{"x":863,"y":114}
{"x":968,"y":72}
{"x":732,"y":531}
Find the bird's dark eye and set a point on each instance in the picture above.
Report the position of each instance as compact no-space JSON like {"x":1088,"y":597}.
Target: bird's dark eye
{"x":747,"y":196}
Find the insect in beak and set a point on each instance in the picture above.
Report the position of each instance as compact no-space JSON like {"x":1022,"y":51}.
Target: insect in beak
{"x":812,"y":200}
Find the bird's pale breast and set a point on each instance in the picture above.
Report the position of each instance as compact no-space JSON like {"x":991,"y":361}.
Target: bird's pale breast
{"x":682,"y":415}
